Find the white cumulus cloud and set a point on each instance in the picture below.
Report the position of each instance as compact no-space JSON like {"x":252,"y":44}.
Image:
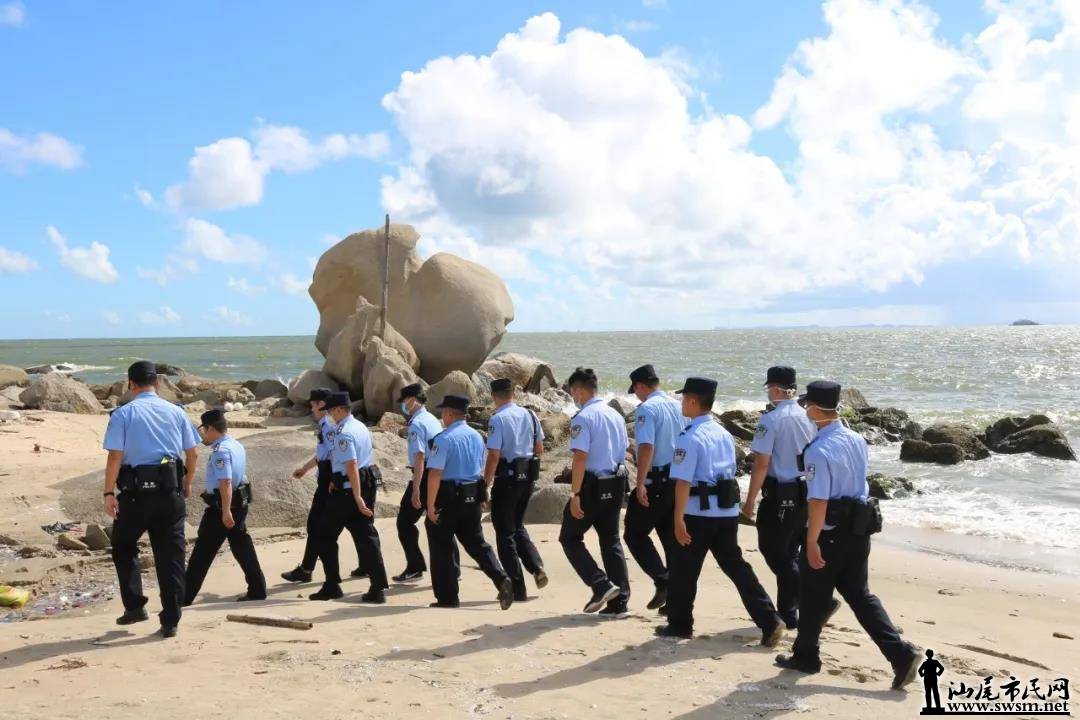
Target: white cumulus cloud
{"x":12,"y":14}
{"x":228,"y":315}
{"x":231,"y":172}
{"x":207,"y":240}
{"x":164,"y":315}
{"x":580,"y":146}
{"x":18,"y":152}
{"x":13,"y":262}
{"x":90,"y":262}
{"x":111,"y":317}
{"x":244,"y":287}
{"x":145,"y":197}
{"x":292,"y":285}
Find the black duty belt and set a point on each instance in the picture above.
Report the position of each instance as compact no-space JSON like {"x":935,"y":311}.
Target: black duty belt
{"x":370,"y":478}
{"x":726,"y":491}
{"x":853,"y":516}
{"x":522,"y":469}
{"x":163,"y":477}
{"x":241,"y":497}
{"x":659,"y":473}
{"x":468,"y":493}
{"x":606,"y":487}
{"x":787,"y":497}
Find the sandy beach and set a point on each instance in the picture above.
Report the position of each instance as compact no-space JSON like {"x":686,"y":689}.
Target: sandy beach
{"x":540,"y":659}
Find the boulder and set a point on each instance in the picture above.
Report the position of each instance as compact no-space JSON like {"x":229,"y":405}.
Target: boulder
{"x":238,"y":395}
{"x":11,"y":394}
{"x":196,"y":407}
{"x":551,"y":401}
{"x":455,"y":313}
{"x":353,"y":268}
{"x":623,"y":406}
{"x":95,"y":538}
{"x":300,"y":388}
{"x":65,"y":541}
{"x":547,"y":504}
{"x":9,"y":416}
{"x":852,"y":398}
{"x":884,"y":487}
{"x":46,"y":369}
{"x":528,"y":373}
{"x":269,"y":388}
{"x":345,"y":354}
{"x":101,"y":392}
{"x":454,"y":383}
{"x":385,"y":373}
{"x":192,"y":383}
{"x":961,"y":435}
{"x":740,"y":423}
{"x":58,"y":392}
{"x":995,"y":434}
{"x":391,"y":422}
{"x":11,"y":375}
{"x":167,"y":369}
{"x":940,"y":453}
{"x":556,"y":428}
{"x":884,"y":425}
{"x":165,"y":389}
{"x":1045,"y":440}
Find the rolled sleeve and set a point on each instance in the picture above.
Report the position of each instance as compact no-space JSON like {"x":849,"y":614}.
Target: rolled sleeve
{"x":818,"y":477}
{"x":764,"y":438}
{"x":684,"y":462}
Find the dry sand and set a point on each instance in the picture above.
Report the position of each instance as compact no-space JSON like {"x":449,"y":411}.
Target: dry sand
{"x":540,"y":659}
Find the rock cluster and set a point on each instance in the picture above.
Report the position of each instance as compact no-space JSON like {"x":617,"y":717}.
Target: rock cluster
{"x":948,"y":444}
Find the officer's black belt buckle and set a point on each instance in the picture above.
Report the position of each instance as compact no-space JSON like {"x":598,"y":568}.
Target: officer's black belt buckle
{"x":241,"y":498}
{"x":861,"y":519}
{"x":726,"y":491}
{"x":659,"y":474}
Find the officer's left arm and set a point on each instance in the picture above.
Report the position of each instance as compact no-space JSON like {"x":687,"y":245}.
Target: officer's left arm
{"x":221,"y":470}
{"x":818,"y":489}
{"x":683,"y":466}
{"x":490,"y":463}
{"x":538,"y":445}
{"x":191,"y":457}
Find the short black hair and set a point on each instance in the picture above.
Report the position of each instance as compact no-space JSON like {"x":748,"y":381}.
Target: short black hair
{"x":222,"y":425}
{"x":583,"y":376}
{"x":705,"y":401}
{"x":142,"y":373}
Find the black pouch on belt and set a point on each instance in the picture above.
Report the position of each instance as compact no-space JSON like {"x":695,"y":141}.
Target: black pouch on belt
{"x":371,"y":477}
{"x":156,"y":478}
{"x":520,"y":469}
{"x":470,"y":493}
{"x":244,"y":495}
{"x":790,"y":496}
{"x":866,"y":518}
{"x":612,"y":487}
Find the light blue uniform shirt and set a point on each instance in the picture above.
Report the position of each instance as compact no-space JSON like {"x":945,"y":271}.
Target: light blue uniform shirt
{"x":326,"y":442}
{"x":705,"y":452}
{"x":352,"y":441}
{"x":228,"y":461}
{"x":782,"y":434}
{"x":148,"y":429}
{"x":459,"y":453}
{"x":423,"y":427}
{"x":601,"y":432}
{"x":658,"y":421}
{"x":514,"y":432}
{"x":836,"y":464}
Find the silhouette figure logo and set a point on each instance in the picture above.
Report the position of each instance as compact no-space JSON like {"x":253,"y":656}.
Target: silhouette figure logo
{"x":992,"y":696}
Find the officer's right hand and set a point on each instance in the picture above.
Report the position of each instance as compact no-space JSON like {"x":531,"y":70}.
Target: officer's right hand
{"x":813,"y":556}
{"x":111,"y":506}
{"x":417,"y":505}
{"x":364,"y":509}
{"x":643,"y":495}
{"x":298,"y":473}
{"x":681,"y":535}
{"x":433,"y":516}
{"x":748,"y":508}
{"x":228,"y":520}
{"x":575,"y":507}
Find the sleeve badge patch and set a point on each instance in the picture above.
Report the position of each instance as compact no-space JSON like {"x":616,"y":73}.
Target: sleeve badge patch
{"x":575,"y":431}
{"x":680,"y":455}
{"x":343,"y":444}
{"x":220,"y":463}
{"x":809,"y":473}
{"x":761,"y":430}
{"x":640,"y":419}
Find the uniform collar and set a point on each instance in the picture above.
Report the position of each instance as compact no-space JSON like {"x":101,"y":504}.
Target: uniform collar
{"x":144,"y":393}
{"x":785,"y":403}
{"x":700,"y":420}
{"x":594,"y":400}
{"x":343,"y":422}
{"x":833,"y":427}
{"x":500,"y":409}
{"x":455,"y":424}
{"x":655,"y":393}
{"x":415,"y":415}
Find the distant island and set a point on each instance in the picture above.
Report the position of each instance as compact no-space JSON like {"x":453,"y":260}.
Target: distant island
{"x":1024,"y":322}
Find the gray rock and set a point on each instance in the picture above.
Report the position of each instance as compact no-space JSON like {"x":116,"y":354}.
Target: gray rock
{"x":238,"y":395}
{"x":995,"y":434}
{"x":192,"y":383}
{"x":345,"y":361}
{"x":940,"y":453}
{"x":167,"y":369}
{"x":385,"y":373}
{"x":59,"y":393}
{"x":11,"y":375}
{"x":67,"y":542}
{"x":852,"y":398}
{"x":1045,"y":440}
{"x":9,"y":416}
{"x":547,"y":504}
{"x":269,"y":389}
{"x":884,"y":487}
{"x":455,"y":383}
{"x":95,"y":537}
{"x":530,"y":374}
{"x":622,"y":406}
{"x":196,"y":407}
{"x":961,"y":435}
{"x":740,"y":423}
{"x":11,"y":394}
{"x":556,"y":429}
{"x":882,"y":425}
{"x":300,"y":388}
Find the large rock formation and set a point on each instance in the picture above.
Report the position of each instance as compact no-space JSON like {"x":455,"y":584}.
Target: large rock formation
{"x":455,"y":383}
{"x":385,"y":373}
{"x":58,"y":392}
{"x":345,"y":354}
{"x":883,"y":425}
{"x":11,"y":375}
{"x":353,"y":268}
{"x":455,"y":313}
{"x":961,"y":435}
{"x":1034,"y":434}
{"x":300,"y":388}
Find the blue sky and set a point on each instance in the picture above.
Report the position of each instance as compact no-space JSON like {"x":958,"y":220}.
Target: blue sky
{"x":798,"y":163}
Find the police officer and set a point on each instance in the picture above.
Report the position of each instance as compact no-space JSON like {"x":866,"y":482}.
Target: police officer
{"x":324,"y":441}
{"x":515,"y":443}
{"x":658,"y":421}
{"x":781,"y":435}
{"x":351,"y":503}
{"x":841,"y":518}
{"x":454,"y":496}
{"x":707,"y":519}
{"x":145,"y":486}
{"x":422,"y":429}
{"x":597,"y":483}
{"x":227,"y":497}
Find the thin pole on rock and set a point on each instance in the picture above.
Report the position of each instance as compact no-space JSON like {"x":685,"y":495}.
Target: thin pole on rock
{"x":386,"y":280}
